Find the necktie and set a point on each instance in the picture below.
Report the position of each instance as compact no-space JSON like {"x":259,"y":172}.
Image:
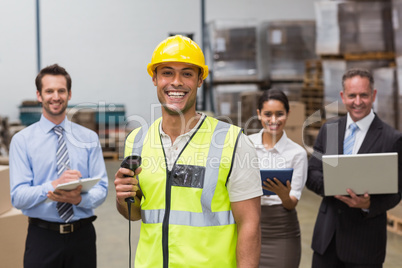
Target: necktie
{"x":349,"y":142}
{"x":65,"y":210}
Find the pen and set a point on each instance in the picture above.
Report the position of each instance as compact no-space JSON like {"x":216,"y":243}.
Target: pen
{"x":67,"y":167}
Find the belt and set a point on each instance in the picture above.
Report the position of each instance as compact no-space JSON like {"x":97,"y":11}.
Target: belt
{"x":62,"y":228}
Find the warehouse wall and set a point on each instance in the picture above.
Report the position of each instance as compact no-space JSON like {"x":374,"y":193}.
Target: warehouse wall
{"x":105,"y":45}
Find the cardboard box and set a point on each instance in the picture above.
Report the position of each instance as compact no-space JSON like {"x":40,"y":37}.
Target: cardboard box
{"x":295,"y":133}
{"x":249,"y":105}
{"x":297,"y":114}
{"x":5,"y":199}
{"x":13,"y":232}
{"x":227,"y":98}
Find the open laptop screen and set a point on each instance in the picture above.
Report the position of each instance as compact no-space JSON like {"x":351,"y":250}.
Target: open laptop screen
{"x":372,"y":173}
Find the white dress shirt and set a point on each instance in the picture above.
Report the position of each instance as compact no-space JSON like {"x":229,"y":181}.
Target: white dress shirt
{"x":285,"y":154}
{"x":363,"y":125}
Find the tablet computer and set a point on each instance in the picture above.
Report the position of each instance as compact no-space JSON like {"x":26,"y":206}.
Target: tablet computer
{"x":282,"y":174}
{"x":86,"y":183}
{"x":375,"y":173}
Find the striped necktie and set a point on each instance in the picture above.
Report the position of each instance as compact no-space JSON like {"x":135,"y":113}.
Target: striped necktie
{"x":349,"y":142}
{"x":65,"y":210}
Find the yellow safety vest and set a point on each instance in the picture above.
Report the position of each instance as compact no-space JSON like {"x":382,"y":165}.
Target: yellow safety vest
{"x":187,"y":219}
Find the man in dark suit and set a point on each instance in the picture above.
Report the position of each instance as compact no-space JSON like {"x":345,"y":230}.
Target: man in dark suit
{"x":350,"y":231}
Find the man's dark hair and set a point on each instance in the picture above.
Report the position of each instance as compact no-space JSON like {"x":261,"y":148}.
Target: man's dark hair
{"x":52,"y":70}
{"x":358,"y":72}
{"x":274,"y":94}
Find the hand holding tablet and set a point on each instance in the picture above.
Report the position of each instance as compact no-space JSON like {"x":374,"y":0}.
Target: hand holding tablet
{"x":282,"y":175}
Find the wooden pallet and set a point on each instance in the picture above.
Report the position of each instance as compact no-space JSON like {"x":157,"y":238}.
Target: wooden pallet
{"x":317,"y":91}
{"x":370,"y":56}
{"x":111,"y":155}
{"x":312,"y":93}
{"x":380,"y":55}
{"x":313,"y":74}
{"x":394,"y":220}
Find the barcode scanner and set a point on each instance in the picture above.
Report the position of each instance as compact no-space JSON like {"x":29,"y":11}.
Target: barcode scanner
{"x":131,"y":162}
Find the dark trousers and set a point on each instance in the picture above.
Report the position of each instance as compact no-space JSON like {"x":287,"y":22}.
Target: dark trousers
{"x":49,"y":249}
{"x":330,"y":259}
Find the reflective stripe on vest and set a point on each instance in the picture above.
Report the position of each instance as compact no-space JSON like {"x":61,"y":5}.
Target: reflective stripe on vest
{"x":138,"y":142}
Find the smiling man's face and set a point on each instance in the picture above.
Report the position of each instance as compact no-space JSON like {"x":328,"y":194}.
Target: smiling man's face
{"x":358,"y":97}
{"x":54,"y":97}
{"x":177,"y":85}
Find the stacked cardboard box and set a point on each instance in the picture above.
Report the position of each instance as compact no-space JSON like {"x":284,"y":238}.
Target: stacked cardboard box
{"x":397,"y":19}
{"x":353,"y":27}
{"x":293,"y":90}
{"x":399,"y":90}
{"x":13,"y":232}
{"x":236,"y":51}
{"x":5,"y":199}
{"x":83,"y":116}
{"x":397,"y":23}
{"x":290,"y":43}
{"x":13,"y":226}
{"x":386,"y":101}
{"x":295,"y":122}
{"x":249,"y":106}
{"x":228,"y":102}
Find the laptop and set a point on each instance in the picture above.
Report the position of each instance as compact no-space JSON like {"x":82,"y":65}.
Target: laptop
{"x":372,"y":173}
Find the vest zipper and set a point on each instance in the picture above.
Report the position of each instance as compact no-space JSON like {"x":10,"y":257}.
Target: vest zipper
{"x":165,"y":224}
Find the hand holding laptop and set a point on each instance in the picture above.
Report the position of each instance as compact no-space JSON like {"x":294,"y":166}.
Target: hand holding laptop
{"x":355,"y":201}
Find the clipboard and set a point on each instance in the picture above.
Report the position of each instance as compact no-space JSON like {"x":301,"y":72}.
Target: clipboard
{"x":86,"y":183}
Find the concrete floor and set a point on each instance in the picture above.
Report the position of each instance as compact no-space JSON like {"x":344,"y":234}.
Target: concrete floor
{"x":112,"y":231}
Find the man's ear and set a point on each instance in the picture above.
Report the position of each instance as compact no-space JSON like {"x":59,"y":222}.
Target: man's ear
{"x":154,"y":78}
{"x":342,"y":97}
{"x":38,"y":96}
{"x":200,"y":81}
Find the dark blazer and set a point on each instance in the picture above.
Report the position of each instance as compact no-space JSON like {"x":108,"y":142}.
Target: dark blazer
{"x":360,"y":237}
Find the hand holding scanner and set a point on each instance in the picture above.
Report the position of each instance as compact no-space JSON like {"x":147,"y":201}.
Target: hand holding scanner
{"x":131,"y":162}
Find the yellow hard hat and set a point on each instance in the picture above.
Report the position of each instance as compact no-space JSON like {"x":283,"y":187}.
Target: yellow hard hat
{"x":178,"y":49}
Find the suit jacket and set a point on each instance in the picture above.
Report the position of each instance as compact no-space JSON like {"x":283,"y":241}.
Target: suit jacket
{"x":360,"y":237}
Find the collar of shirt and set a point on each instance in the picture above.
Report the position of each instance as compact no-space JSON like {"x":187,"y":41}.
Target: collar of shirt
{"x":166,"y":141}
{"x":363,"y":124}
{"x":48,"y":126}
{"x":279,"y":147}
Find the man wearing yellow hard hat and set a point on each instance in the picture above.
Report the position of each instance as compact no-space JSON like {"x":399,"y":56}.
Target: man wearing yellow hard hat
{"x":198,"y":189}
